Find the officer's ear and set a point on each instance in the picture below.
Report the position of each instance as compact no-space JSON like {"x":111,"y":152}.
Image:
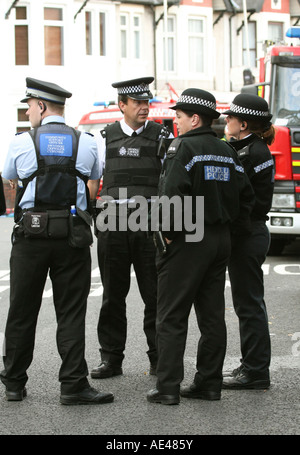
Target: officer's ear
{"x":42,"y":106}
{"x":196,"y":120}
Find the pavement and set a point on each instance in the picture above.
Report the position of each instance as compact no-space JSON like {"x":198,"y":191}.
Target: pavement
{"x":130,"y":418}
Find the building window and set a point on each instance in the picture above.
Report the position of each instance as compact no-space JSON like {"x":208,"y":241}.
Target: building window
{"x":275,"y":32}
{"x":102,"y":33}
{"x":137,"y":36}
{"x":196,"y":45}
{"x":23,"y":121}
{"x":276,"y":4}
{"x":53,"y":36}
{"x":170,"y":45}
{"x":124,"y":34}
{"x":88,"y":33}
{"x":252,"y":45}
{"x":21,"y":36}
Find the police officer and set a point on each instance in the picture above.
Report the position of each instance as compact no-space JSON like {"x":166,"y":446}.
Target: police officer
{"x":193,"y":269}
{"x":249,"y":122}
{"x":2,"y":198}
{"x":131,"y":165}
{"x":51,"y":165}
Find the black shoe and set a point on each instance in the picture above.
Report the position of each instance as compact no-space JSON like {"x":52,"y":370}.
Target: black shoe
{"x":152,"y":370}
{"x":153,"y":396}
{"x":16,"y":396}
{"x":193,"y":391}
{"x":87,"y":396}
{"x":106,"y":370}
{"x":232,"y":373}
{"x":243,"y":381}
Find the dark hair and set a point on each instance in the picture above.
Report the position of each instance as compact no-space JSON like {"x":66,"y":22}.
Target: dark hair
{"x":206,"y":120}
{"x":265,"y":131}
{"x":124,"y":99}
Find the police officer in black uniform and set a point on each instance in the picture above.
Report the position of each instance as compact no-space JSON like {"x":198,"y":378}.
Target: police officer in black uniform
{"x":51,"y":165}
{"x":193,"y":270}
{"x":129,"y":154}
{"x":249,"y":122}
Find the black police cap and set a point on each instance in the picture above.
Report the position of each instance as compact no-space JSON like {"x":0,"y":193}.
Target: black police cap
{"x":248,"y":106}
{"x":197,"y":101}
{"x":137,"y":89}
{"x":45,"y":91}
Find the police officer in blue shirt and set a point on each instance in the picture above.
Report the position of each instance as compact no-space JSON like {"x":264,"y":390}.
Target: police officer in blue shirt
{"x":50,"y":165}
{"x":2,"y":198}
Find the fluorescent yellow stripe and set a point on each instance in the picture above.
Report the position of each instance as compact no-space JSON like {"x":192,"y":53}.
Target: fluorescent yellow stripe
{"x":295,"y":149}
{"x":296,"y":163}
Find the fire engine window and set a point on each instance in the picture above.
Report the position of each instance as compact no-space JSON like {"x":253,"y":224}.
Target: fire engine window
{"x":53,"y":36}
{"x":21,"y":36}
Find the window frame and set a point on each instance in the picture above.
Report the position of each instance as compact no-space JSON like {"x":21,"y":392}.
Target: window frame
{"x":21,"y":23}
{"x":200,"y":35}
{"x":252,"y":50}
{"x":171,"y":44}
{"x":60,"y":23}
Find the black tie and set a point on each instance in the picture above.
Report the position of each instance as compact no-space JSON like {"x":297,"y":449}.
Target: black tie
{"x":134,"y":134}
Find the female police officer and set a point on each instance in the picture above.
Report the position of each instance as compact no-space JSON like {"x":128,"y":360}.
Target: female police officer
{"x":248,"y":121}
{"x":197,"y":164}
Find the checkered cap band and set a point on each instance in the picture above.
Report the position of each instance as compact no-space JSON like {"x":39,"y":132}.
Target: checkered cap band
{"x":137,"y":89}
{"x":194,"y":100}
{"x":246,"y":110}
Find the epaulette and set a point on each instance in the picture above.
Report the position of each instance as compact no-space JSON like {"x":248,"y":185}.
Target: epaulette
{"x":173,"y":148}
{"x":87,"y":132}
{"x":244,"y":151}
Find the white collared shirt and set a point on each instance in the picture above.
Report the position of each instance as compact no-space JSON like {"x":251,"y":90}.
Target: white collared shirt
{"x":101,"y":141}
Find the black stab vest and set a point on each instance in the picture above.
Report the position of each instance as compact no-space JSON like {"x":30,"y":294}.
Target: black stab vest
{"x":132,"y":162}
{"x":56,"y":147}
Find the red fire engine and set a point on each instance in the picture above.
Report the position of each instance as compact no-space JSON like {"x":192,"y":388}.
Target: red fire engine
{"x":107,"y":113}
{"x":159,"y":112}
{"x":279,"y":84}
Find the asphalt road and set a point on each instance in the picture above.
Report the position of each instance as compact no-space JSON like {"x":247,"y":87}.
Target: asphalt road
{"x":272,"y":412}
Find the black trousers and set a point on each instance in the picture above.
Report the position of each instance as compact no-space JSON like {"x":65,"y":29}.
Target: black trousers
{"x":70,"y":273}
{"x":192,"y":273}
{"x":117,"y":251}
{"x":247,"y":286}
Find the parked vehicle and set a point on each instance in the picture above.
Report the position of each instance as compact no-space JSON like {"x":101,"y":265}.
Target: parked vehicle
{"x":279,"y":84}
